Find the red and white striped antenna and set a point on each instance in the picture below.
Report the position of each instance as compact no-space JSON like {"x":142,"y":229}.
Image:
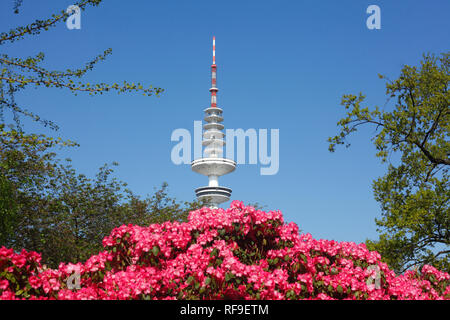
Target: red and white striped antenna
{"x":214,"y":89}
{"x":214,"y":50}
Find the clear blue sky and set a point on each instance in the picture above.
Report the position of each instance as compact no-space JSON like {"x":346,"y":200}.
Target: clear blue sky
{"x":281,"y":64}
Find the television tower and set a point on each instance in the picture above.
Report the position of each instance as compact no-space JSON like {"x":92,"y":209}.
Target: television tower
{"x":212,"y":164}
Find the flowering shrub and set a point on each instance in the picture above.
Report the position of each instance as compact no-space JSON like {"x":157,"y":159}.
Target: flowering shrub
{"x":237,"y":253}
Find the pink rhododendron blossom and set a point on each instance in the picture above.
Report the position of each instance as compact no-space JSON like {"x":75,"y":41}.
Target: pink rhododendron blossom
{"x":4,"y":284}
{"x":237,"y":253}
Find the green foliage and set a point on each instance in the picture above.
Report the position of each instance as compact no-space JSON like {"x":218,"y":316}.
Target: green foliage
{"x":414,"y":194}
{"x":8,"y":209}
{"x":47,"y":207}
{"x":39,"y":26}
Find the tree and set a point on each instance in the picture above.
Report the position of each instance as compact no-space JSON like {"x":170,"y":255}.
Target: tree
{"x":46,"y":206}
{"x":414,"y":194}
{"x":17,"y":73}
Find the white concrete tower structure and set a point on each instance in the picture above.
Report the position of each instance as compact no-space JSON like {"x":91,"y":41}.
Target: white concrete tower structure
{"x":213,"y":165}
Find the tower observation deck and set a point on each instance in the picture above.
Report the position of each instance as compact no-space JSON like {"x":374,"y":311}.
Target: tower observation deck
{"x":212,"y":164}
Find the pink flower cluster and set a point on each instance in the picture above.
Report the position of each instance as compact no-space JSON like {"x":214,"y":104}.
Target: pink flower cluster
{"x":237,"y":253}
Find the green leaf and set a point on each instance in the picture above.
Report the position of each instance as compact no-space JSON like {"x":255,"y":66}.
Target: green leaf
{"x":229,"y":276}
{"x":214,"y":252}
{"x":190,"y":279}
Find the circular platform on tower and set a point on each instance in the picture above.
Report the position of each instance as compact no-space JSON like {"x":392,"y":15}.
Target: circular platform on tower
{"x":213,"y":166}
{"x":213,"y":110}
{"x":214,"y":195}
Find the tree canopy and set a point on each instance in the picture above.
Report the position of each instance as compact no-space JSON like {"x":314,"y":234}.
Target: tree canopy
{"x":415,"y":192}
{"x":48,"y":207}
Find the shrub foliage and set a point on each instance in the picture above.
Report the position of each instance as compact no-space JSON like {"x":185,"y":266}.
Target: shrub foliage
{"x":237,"y":253}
